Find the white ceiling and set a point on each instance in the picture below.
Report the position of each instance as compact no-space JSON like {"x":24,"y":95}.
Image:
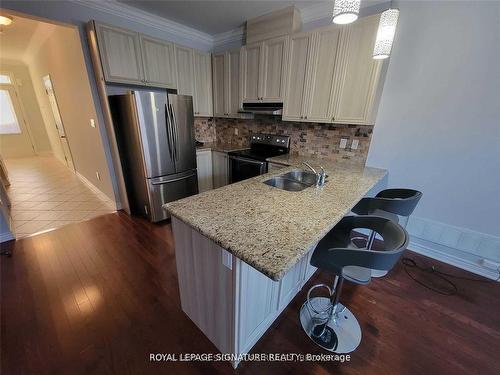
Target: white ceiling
{"x":21,"y":37}
{"x":214,"y":17}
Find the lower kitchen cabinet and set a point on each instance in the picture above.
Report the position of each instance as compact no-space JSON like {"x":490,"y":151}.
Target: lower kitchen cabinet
{"x":219,"y":169}
{"x":204,"y":165}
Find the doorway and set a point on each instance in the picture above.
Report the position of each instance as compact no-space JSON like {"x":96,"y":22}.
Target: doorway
{"x":49,"y":89}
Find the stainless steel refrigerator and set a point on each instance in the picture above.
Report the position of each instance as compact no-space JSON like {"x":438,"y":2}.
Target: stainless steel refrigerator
{"x":155,"y":133}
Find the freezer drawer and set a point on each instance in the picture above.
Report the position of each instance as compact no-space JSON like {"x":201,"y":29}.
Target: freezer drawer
{"x":170,"y":188}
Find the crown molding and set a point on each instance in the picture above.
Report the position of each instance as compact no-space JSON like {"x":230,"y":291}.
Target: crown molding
{"x":150,"y":20}
{"x":231,"y":37}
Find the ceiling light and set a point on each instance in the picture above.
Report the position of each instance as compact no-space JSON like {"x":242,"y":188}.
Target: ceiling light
{"x":385,"y":34}
{"x":5,"y":20}
{"x":345,"y":11}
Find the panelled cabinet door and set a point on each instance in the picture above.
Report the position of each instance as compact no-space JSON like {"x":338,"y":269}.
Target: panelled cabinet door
{"x":120,"y":53}
{"x":251,"y":66}
{"x":202,"y":84}
{"x":358,"y":73}
{"x":204,"y":170}
{"x":185,"y":70}
{"x":159,"y":62}
{"x":322,"y":82}
{"x":233,"y":93}
{"x":296,"y":91}
{"x":273,"y":77}
{"x":218,"y":79}
{"x":219,"y":169}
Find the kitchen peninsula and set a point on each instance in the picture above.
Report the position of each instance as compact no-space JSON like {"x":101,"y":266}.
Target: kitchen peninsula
{"x":243,"y":250}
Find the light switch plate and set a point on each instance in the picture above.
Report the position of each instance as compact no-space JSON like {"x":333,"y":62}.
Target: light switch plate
{"x":98,"y":176}
{"x":354,"y":144}
{"x":343,"y":142}
{"x":235,"y":131}
{"x":92,"y":122}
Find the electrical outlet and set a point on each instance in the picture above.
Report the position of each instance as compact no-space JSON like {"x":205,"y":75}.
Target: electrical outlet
{"x":92,"y":122}
{"x":343,"y":142}
{"x":98,"y":176}
{"x":235,"y":131}
{"x":354,"y":144}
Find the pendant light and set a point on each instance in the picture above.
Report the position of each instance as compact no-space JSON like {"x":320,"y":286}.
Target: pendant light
{"x":5,"y":20}
{"x":345,"y":11}
{"x":385,"y":34}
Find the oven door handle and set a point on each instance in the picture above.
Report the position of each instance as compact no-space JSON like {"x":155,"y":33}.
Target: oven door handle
{"x":247,"y":160}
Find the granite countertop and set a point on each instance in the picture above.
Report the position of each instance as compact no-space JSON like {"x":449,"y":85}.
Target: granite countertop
{"x":222,"y":147}
{"x":269,"y":228}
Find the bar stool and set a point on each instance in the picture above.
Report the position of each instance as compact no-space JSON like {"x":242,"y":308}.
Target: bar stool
{"x":391,"y":204}
{"x":325,"y":320}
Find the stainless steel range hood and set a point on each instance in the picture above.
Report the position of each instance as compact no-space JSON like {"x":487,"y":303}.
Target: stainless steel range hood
{"x":260,"y":108}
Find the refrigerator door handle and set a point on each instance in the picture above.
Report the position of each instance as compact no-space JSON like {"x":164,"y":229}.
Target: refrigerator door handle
{"x":169,"y":132}
{"x":174,"y":180}
{"x":174,"y":128}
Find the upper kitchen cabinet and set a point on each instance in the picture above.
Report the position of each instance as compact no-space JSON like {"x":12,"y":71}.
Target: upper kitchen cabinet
{"x":185,"y":70}
{"x":226,"y":84}
{"x":202,"y":84}
{"x":251,"y":71}
{"x":321,"y":88}
{"x":275,"y":55}
{"x":159,"y":62}
{"x":357,"y":74}
{"x":294,"y":107}
{"x":120,"y":53}
{"x":219,"y":84}
{"x":263,"y":67}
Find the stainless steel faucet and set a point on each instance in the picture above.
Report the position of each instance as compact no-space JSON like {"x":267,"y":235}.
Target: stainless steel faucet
{"x":320,"y":176}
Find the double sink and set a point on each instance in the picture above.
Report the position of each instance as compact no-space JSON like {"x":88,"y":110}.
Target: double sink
{"x":296,"y":180}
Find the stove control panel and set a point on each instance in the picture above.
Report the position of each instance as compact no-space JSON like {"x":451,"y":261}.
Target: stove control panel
{"x":269,"y":139}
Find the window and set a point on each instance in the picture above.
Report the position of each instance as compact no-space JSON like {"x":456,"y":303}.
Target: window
{"x":4,"y":78}
{"x":9,"y":123}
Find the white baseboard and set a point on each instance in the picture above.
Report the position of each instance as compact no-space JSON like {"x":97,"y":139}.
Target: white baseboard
{"x":457,"y":246}
{"x":94,"y":188}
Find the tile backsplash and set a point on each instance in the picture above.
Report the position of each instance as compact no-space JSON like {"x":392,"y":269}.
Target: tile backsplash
{"x":307,"y":139}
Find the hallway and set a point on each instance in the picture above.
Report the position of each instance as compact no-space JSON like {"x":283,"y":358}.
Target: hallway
{"x":47,"y":195}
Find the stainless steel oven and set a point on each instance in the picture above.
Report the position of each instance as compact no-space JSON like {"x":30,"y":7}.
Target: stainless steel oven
{"x":242,"y":168}
{"x":252,"y":162}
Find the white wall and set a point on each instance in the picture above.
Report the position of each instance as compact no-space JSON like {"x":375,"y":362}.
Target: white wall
{"x":438,"y":126}
{"x":61,"y":57}
{"x":9,"y":147}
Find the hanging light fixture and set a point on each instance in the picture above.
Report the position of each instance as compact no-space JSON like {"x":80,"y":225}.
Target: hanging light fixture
{"x":5,"y":20}
{"x":345,"y":11}
{"x":385,"y":34}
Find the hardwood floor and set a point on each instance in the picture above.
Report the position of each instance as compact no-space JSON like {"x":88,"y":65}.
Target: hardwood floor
{"x":100,"y":296}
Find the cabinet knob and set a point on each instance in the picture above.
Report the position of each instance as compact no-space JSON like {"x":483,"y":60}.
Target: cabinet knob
{"x":333,"y":118}
{"x":301,"y":117}
{"x":305,"y":117}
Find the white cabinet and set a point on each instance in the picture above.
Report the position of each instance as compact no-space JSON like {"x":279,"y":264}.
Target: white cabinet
{"x":202,"y":99}
{"x":357,"y":73}
{"x":159,"y":62}
{"x":185,"y":70}
{"x":263,"y":67}
{"x":322,"y":83}
{"x":294,"y":106}
{"x":204,"y":169}
{"x":219,"y":84}
{"x":219,"y":169}
{"x":120,"y":53}
{"x":226,"y":84}
{"x":332,"y":77}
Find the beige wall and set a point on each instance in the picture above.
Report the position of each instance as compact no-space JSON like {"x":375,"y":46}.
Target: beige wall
{"x":11,"y":145}
{"x":61,"y":56}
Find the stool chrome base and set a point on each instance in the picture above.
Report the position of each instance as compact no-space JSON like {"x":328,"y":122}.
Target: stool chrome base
{"x":343,"y":323}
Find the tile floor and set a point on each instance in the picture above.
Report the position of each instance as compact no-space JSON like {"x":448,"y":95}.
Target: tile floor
{"x":47,"y":195}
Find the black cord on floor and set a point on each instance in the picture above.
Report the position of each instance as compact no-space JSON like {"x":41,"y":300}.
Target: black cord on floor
{"x":409,"y":263}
